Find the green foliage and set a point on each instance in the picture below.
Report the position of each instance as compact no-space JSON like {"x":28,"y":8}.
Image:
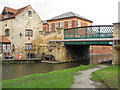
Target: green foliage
{"x":56,"y":79}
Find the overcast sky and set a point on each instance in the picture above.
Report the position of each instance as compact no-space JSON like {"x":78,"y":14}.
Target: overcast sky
{"x":101,"y":12}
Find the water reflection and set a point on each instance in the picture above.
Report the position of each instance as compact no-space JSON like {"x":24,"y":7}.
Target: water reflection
{"x":10,"y":71}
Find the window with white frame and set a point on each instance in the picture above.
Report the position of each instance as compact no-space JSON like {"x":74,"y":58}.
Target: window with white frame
{"x":78,"y":24}
{"x":50,"y":27}
{"x":6,"y":46}
{"x":61,"y":24}
{"x":70,"y":24}
{"x":56,"y":25}
{"x":28,"y":46}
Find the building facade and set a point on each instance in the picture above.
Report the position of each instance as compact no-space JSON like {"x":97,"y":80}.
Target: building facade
{"x":20,"y":27}
{"x":65,"y":21}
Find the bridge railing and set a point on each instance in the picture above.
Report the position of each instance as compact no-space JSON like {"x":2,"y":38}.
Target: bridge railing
{"x":101,"y":31}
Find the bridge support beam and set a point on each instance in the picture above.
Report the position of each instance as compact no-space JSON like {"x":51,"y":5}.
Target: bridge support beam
{"x":116,"y":45}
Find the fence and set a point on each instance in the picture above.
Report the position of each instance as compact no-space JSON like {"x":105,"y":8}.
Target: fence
{"x":101,"y":31}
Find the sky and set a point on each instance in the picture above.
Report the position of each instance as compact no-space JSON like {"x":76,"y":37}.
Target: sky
{"x":101,"y":12}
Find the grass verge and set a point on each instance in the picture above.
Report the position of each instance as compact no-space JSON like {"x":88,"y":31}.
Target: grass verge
{"x":108,"y":75}
{"x":56,"y":79}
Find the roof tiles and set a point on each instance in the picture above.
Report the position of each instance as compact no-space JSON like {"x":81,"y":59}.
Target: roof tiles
{"x":67,"y":15}
{"x":4,"y":39}
{"x":14,"y":12}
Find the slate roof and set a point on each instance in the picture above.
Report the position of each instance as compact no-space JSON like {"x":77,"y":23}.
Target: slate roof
{"x":44,"y":21}
{"x":67,"y":15}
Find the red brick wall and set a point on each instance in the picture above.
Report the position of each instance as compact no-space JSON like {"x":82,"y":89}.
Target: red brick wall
{"x":47,"y":27}
{"x":83,"y":24}
{"x":66,"y":24}
{"x":53,"y":27}
{"x":73,"y":23}
{"x":94,"y":50}
{"x":44,"y":28}
{"x":58,"y":24}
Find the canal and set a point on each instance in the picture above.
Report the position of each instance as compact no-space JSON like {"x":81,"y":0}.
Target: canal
{"x":12,"y":71}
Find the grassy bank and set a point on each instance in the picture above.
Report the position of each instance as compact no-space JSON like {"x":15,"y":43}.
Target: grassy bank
{"x":108,"y":75}
{"x":56,"y":79}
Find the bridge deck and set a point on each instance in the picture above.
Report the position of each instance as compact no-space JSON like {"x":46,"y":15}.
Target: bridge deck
{"x":100,"y":41}
{"x":86,"y":40}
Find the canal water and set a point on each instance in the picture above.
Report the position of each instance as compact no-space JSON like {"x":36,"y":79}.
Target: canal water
{"x":12,"y":71}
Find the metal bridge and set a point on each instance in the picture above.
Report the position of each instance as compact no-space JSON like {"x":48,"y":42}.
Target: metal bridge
{"x":94,"y":35}
{"x":89,"y":35}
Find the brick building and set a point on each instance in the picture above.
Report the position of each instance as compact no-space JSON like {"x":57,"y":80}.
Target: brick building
{"x":65,"y":21}
{"x":73,"y":20}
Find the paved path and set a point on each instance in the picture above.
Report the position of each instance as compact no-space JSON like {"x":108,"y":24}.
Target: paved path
{"x":82,"y":78}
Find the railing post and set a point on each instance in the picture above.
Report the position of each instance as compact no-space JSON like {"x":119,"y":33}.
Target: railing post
{"x":99,"y":31}
{"x":116,"y":45}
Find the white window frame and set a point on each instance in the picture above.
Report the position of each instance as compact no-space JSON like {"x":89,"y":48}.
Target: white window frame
{"x":28,"y":46}
{"x":56,"y":24}
{"x":78,"y":24}
{"x":70,"y":24}
{"x":62,"y":24}
{"x":6,"y":46}
{"x":50,"y":27}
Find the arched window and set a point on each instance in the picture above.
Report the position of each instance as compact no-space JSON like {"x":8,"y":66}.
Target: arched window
{"x":7,"y":32}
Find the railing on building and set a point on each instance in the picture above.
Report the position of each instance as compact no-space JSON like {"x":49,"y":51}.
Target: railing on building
{"x":87,"y":32}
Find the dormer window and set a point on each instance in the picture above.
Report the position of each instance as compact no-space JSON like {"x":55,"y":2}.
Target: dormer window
{"x":30,"y":13}
{"x":7,"y":32}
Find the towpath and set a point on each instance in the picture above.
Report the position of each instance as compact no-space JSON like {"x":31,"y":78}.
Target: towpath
{"x":82,"y":78}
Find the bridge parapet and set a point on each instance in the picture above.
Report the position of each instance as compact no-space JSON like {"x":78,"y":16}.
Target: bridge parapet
{"x":87,"y":32}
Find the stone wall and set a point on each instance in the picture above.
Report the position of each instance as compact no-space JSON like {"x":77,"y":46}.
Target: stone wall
{"x":60,"y":51}
{"x":56,"y":49}
{"x":18,"y":25}
{"x":116,"y":45}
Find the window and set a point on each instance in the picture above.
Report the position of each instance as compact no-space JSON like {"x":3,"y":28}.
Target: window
{"x":56,"y":25}
{"x":30,"y":13}
{"x":29,"y":32}
{"x":7,"y":32}
{"x":70,"y":23}
{"x":78,"y":24}
{"x":6,"y":46}
{"x":61,"y":24}
{"x":28,"y":46}
{"x":50,"y":26}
